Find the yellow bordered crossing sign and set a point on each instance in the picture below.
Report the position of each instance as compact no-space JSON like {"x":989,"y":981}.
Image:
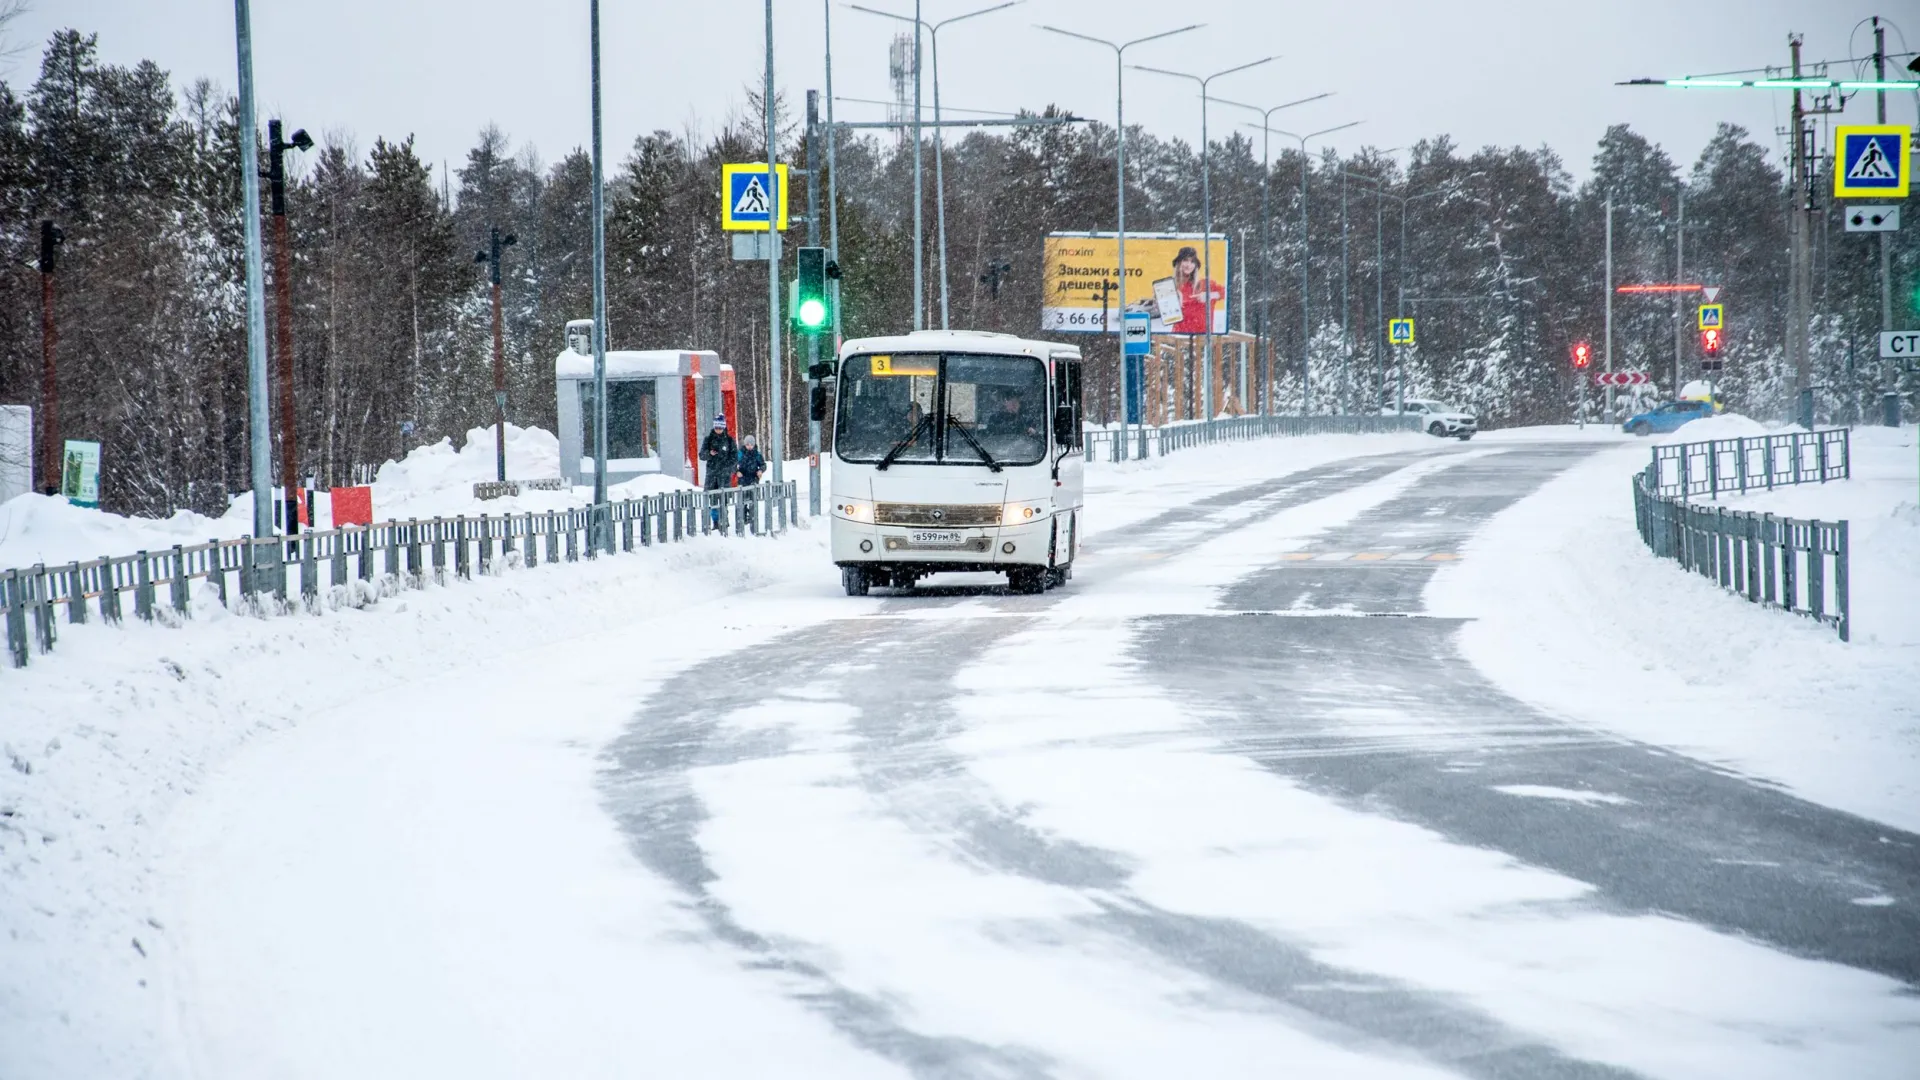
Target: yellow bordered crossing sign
{"x":1871,"y":161}
{"x":1712,"y":316}
{"x":748,"y":203}
{"x":1400,"y":331}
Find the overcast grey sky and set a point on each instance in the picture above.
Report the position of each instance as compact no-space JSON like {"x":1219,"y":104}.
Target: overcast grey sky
{"x":1482,"y":71}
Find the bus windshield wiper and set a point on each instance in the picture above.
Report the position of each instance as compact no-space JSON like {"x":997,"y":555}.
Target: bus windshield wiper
{"x":954,"y":422}
{"x":901,"y":446}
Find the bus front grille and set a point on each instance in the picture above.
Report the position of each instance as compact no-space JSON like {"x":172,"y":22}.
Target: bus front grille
{"x":961,"y":516}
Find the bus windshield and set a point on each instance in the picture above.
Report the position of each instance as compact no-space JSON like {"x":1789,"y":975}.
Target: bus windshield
{"x":942,"y":408}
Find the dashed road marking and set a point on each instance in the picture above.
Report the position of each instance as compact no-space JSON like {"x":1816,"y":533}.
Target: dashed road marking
{"x":1367,"y":556}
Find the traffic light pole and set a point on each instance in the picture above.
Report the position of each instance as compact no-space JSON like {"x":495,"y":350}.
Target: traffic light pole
{"x":813,"y":339}
{"x":776,"y":414}
{"x":1890,"y":399}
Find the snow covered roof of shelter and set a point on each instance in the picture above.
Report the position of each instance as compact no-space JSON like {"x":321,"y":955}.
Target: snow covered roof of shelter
{"x":638,"y":363}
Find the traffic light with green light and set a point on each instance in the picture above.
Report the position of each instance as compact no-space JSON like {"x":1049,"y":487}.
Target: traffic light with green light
{"x":813,"y":300}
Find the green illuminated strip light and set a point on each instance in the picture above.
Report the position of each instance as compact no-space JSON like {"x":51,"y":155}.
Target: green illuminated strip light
{"x":1889,"y":84}
{"x":1795,"y":84}
{"x":1705,"y":83}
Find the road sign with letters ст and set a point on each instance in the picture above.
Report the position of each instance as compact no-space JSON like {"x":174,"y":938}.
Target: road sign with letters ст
{"x":1870,"y":161}
{"x":1400,"y":331}
{"x":1900,"y":345}
{"x":746,"y":204}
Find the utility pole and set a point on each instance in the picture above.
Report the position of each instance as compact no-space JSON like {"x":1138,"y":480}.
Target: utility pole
{"x":1606,"y":354}
{"x":283,"y":313}
{"x":51,"y":237}
{"x":491,"y":256}
{"x":257,"y":412}
{"x":1379,"y":293}
{"x":1679,"y":299}
{"x":919,"y":194}
{"x":1346,"y":305}
{"x":1120,"y":182}
{"x":833,"y":182}
{"x":1799,"y":296}
{"x":1263,"y":330}
{"x":1890,"y":399}
{"x":775,"y":415}
{"x":813,"y":339}
{"x":602,"y":523}
{"x":1206,"y":219}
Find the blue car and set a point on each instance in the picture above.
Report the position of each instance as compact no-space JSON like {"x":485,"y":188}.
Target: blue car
{"x":1667,"y":417}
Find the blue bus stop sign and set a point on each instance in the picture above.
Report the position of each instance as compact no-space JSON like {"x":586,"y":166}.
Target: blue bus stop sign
{"x":1139,"y":339}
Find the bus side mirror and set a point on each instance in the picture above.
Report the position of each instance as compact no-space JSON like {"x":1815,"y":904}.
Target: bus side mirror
{"x":1063,"y":425}
{"x":818,"y":405}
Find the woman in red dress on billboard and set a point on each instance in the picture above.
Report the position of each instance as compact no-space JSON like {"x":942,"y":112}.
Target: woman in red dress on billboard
{"x":1197,"y":295}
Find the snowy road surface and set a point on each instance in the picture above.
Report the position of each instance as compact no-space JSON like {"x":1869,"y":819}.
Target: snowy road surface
{"x":1230,"y":804}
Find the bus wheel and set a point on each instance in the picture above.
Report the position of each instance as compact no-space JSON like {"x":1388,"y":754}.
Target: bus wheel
{"x":855,"y":580}
{"x":1027,"y":579}
{"x":1057,"y":577}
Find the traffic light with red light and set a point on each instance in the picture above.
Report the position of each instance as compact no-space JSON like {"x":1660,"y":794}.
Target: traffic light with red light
{"x":1710,"y":341}
{"x":1582,"y":354}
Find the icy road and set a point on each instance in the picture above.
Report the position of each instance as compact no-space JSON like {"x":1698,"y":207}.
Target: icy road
{"x":1235,"y":802}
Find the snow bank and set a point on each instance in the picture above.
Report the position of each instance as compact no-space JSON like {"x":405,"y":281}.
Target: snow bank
{"x":1724,"y":426}
{"x":1607,"y":635}
{"x":49,"y":529}
{"x":431,"y":481}
{"x":104,"y":738}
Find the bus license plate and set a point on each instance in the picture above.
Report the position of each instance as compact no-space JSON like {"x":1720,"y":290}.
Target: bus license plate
{"x":934,"y":539}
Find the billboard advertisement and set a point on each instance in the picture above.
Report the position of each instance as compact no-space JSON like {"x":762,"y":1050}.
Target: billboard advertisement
{"x":1167,"y":277}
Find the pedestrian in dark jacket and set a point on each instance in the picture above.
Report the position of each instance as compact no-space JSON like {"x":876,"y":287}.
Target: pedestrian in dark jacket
{"x":751,"y":463}
{"x":720,"y":455}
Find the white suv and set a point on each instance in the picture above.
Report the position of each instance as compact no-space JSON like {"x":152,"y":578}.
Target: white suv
{"x":1440,"y":418}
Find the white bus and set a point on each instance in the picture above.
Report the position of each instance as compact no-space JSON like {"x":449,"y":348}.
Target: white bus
{"x":956,"y":451}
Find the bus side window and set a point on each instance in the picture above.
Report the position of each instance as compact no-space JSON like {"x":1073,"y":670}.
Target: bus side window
{"x":1066,"y":403}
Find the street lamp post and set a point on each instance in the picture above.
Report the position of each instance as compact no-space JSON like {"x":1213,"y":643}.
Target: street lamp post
{"x":776,"y":414}
{"x":491,"y":256}
{"x":283,"y":311}
{"x":260,"y":461}
{"x":1306,"y":324}
{"x":602,"y":531}
{"x":1120,"y":181}
{"x":1206,"y":216}
{"x":939,"y":142}
{"x":1400,"y":277}
{"x":1266,"y":238}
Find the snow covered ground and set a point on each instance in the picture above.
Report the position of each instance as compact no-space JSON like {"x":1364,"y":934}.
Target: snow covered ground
{"x":370,"y":843}
{"x":107,"y":739}
{"x":1573,"y":614}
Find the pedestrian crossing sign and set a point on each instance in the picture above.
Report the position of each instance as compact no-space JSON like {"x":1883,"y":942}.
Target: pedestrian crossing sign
{"x":1400,"y":331}
{"x":1711,"y":315}
{"x":746,"y":203}
{"x":1871,"y":161}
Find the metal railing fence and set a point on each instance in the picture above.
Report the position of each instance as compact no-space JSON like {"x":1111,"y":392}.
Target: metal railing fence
{"x":1105,"y":444}
{"x":403,"y":554}
{"x":1792,"y":564}
{"x":1758,"y":462}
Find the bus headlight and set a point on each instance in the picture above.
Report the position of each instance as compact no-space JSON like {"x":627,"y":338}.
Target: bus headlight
{"x":853,"y":509}
{"x":1020,"y":513}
